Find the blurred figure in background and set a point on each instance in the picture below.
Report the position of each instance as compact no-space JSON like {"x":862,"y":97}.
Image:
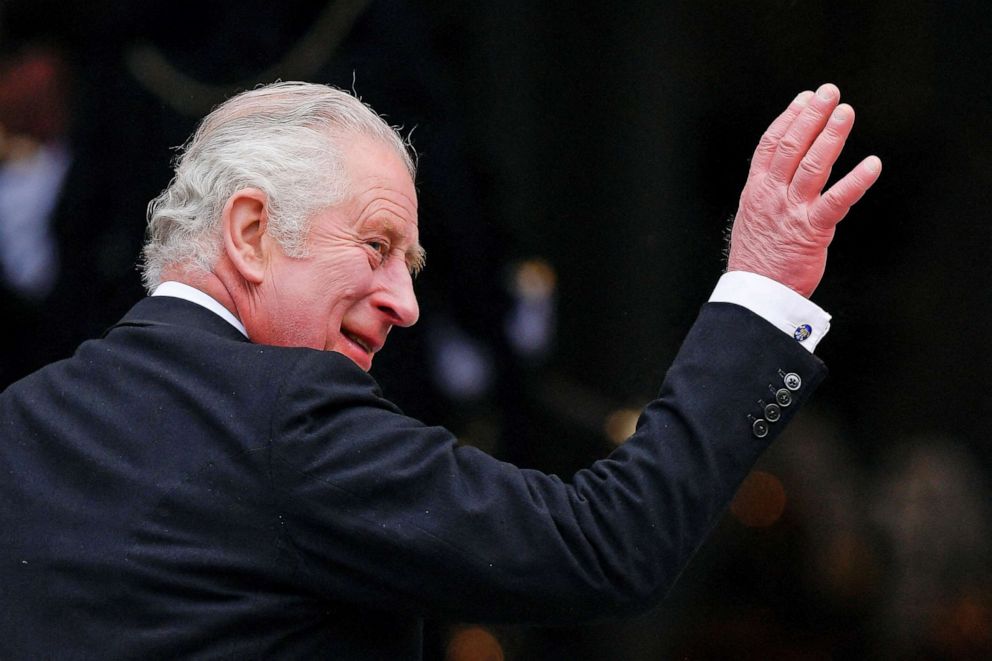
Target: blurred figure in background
{"x":931,"y":505}
{"x":66,"y":176}
{"x":34,"y":160}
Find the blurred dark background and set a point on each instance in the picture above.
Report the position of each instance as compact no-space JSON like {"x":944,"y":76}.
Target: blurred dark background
{"x":579,"y":165}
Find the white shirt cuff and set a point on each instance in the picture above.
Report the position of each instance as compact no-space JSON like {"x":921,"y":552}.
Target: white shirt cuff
{"x":782,"y":307}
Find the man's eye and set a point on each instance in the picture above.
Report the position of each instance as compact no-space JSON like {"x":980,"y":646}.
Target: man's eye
{"x":380,"y":247}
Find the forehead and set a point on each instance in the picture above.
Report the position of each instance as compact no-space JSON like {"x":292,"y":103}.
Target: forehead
{"x":374,"y":169}
{"x":379,"y":185}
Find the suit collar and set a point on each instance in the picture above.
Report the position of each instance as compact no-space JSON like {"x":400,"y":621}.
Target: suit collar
{"x":171,"y":311}
{"x":194,"y":295}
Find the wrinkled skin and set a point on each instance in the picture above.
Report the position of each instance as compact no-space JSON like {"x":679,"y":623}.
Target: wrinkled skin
{"x":354,"y":284}
{"x":785,"y":220}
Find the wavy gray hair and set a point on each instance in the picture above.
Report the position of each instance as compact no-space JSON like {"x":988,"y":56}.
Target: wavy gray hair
{"x":284,"y":139}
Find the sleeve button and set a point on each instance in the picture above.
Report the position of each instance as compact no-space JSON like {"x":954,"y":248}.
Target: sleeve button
{"x":783,"y":397}
{"x":773,"y":412}
{"x":760,"y":428}
{"x":793,"y":381}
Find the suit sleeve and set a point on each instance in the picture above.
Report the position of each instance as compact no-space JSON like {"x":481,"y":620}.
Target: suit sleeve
{"x":383,"y":511}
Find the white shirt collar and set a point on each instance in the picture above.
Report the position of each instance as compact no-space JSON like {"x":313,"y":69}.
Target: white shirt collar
{"x":193,"y":295}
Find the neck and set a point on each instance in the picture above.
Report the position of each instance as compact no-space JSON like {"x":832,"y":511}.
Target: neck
{"x":209,"y":283}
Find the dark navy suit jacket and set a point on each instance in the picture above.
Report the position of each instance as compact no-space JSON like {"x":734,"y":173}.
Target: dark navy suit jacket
{"x":175,"y":491}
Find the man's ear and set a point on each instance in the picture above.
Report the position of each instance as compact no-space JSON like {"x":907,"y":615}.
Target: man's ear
{"x":244,"y":221}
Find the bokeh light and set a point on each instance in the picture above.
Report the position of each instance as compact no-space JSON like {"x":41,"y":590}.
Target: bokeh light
{"x":473,"y":643}
{"x":760,"y":500}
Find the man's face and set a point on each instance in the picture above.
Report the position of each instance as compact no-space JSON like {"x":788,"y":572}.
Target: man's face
{"x":355,"y":284}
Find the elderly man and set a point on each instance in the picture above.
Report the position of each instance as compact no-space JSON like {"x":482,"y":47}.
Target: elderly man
{"x":219,"y":477}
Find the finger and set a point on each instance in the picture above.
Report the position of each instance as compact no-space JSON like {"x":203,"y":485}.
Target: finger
{"x":769,"y":141}
{"x":836,"y":202}
{"x":814,"y":168}
{"x":800,"y":135}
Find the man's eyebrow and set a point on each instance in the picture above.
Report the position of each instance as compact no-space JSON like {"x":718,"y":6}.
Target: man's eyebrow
{"x":416,"y":259}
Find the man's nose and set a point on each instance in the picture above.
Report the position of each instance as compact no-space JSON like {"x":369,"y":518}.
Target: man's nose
{"x":396,"y":298}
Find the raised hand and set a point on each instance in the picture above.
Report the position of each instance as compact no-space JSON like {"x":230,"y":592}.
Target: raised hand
{"x":785,"y":222}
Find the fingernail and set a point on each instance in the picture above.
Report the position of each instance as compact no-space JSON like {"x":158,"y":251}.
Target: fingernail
{"x":803,"y":97}
{"x":840,"y":114}
{"x":873,"y":164}
{"x":827,"y":91}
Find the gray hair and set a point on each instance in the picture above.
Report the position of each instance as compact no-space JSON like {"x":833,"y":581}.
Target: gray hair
{"x":284,"y":139}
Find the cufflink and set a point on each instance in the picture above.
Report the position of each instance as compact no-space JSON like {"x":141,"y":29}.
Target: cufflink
{"x":802,"y":332}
